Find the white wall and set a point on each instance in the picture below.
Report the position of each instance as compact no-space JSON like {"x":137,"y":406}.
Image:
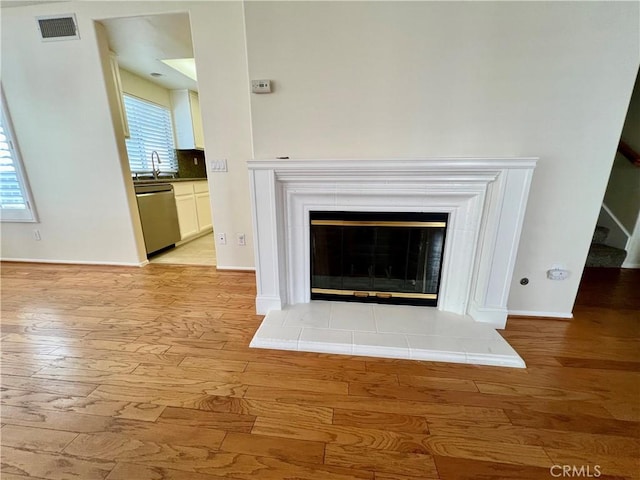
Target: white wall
{"x":223,"y":89}
{"x":425,"y":79}
{"x":61,"y":113}
{"x":357,"y":79}
{"x":74,"y":157}
{"x":143,"y":88}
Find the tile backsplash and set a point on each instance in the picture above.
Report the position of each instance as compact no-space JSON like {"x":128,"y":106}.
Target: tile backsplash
{"x":187,"y":167}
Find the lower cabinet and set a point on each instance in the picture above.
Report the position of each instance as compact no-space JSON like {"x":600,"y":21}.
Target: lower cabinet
{"x":203,"y":207}
{"x":187,"y":215}
{"x":194,"y":207}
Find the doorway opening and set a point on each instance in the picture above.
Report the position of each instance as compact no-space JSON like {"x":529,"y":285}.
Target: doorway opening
{"x":153,"y":65}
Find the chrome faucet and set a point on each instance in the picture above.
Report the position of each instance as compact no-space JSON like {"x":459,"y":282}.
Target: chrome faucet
{"x":153,"y":165}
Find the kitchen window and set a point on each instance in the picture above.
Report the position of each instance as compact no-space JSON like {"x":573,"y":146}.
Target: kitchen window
{"x":16,"y":204}
{"x":150,"y":130}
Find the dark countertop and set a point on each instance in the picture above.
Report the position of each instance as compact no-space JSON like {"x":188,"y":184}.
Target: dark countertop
{"x":167,"y":180}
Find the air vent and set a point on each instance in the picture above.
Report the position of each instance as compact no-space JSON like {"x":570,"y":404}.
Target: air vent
{"x":58,"y":27}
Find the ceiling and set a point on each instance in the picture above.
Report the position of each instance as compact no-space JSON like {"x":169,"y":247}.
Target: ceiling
{"x":141,"y":42}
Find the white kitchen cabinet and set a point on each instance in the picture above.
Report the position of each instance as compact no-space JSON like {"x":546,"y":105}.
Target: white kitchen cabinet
{"x":196,"y":120}
{"x":115,"y":73}
{"x":187,"y":216}
{"x":194,"y":209}
{"x":187,"y":120}
{"x":182,"y":188}
{"x":203,"y":206}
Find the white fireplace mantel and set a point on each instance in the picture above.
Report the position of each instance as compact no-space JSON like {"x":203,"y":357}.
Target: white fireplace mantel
{"x":484,"y":197}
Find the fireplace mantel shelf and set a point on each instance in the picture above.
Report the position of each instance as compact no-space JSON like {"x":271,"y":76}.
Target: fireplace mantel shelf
{"x":437,"y":170}
{"x":393,"y":164}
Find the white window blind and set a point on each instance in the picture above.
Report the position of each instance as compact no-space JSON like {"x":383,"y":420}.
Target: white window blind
{"x":15,"y":199}
{"x":150,"y":130}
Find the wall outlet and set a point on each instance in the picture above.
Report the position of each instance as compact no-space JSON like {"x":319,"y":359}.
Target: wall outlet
{"x":261,"y":86}
{"x":36,"y":235}
{"x":222,"y":238}
{"x":557,"y":274}
{"x":242,"y":239}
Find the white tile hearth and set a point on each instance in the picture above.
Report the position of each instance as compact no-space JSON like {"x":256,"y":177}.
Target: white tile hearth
{"x":353,"y":316}
{"x":417,"y":333}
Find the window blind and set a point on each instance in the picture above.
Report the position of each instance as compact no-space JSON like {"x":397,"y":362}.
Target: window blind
{"x":15,"y":203}
{"x":150,"y":130}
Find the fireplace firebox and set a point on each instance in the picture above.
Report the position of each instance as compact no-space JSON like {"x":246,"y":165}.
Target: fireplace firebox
{"x":381,"y":257}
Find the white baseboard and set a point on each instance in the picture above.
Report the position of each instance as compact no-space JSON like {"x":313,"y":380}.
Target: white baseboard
{"x":75,"y":262}
{"x":241,"y":269}
{"x":630,"y":265}
{"x":532,"y":313}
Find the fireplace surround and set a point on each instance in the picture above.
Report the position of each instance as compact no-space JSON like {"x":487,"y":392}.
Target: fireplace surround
{"x":484,"y":198}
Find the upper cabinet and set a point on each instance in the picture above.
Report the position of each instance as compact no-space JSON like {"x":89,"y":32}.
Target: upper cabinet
{"x":115,"y":73}
{"x":187,"y":120}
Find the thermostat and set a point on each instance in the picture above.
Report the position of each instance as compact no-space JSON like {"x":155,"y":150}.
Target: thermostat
{"x":261,"y":86}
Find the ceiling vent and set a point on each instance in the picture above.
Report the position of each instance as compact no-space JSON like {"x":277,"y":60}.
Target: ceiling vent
{"x":58,"y":27}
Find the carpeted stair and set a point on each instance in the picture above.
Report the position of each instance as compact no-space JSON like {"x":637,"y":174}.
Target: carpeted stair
{"x":601,"y":255}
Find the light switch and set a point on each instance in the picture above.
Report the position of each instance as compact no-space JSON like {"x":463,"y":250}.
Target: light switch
{"x":219,"y":165}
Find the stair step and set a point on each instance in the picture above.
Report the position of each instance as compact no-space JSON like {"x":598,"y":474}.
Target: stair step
{"x":600,"y":234}
{"x":605,"y":256}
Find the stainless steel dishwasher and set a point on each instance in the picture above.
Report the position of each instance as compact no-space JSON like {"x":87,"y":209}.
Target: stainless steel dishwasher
{"x":158,"y":214}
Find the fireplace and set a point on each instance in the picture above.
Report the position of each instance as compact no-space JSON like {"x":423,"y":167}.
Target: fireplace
{"x":296,"y":205}
{"x":379,"y":257}
{"x":484,"y":200}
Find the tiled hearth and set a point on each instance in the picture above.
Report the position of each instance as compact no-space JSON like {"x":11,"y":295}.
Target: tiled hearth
{"x":485,"y":200}
{"x":393,"y":331}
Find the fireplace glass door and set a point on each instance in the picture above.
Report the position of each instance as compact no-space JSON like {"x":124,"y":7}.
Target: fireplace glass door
{"x":377,"y":257}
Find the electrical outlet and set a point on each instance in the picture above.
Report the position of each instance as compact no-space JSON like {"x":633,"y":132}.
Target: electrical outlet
{"x":557,"y":273}
{"x":222,"y":238}
{"x":261,"y":86}
{"x":36,"y":235}
{"x":242,"y":239}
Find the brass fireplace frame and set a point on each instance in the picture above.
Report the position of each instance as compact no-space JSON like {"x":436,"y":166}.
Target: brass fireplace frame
{"x":376,"y":294}
{"x":383,"y":223}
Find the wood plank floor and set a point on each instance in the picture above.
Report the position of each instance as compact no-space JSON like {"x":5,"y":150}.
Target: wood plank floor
{"x":145,"y":374}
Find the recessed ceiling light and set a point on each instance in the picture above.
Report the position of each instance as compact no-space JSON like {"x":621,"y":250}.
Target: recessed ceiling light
{"x":186,"y":66}
{"x":155,"y":74}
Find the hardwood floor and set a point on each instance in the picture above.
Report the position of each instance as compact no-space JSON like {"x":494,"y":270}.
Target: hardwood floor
{"x":145,"y":374}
